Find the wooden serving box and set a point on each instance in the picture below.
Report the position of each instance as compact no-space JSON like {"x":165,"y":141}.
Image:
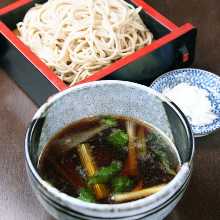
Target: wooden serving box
{"x":172,"y":48}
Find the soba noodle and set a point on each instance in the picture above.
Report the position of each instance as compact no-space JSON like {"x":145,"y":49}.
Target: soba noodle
{"x":75,"y":38}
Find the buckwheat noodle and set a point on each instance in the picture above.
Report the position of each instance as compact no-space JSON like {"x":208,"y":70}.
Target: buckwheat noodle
{"x":75,"y":38}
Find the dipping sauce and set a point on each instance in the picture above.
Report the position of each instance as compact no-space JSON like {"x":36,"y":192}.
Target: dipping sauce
{"x":109,"y":159}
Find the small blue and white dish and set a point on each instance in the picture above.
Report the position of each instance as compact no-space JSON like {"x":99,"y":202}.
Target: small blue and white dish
{"x":195,"y":77}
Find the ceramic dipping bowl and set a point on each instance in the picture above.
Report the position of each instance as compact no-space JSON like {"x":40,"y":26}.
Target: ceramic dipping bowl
{"x":109,"y":98}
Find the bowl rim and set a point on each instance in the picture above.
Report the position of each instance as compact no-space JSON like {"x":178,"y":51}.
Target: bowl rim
{"x":133,"y":205}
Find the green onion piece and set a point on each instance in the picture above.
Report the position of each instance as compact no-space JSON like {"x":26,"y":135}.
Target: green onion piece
{"x":109,"y":121}
{"x":86,"y":195}
{"x":122,"y":184}
{"x":104,"y":174}
{"x":118,"y":139}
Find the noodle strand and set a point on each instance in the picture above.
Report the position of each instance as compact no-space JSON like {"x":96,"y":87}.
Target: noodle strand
{"x":76,"y":38}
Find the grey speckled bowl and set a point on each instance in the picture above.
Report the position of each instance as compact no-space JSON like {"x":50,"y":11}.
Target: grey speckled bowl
{"x":109,"y":97}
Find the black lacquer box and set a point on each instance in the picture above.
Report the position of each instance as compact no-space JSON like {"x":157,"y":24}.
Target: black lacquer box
{"x":172,"y":48}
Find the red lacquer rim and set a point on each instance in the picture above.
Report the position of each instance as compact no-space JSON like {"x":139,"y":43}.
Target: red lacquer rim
{"x":51,"y":76}
{"x":155,"y":14}
{"x":30,"y":56}
{"x":13,"y":6}
{"x":138,"y":54}
{"x":147,"y":8}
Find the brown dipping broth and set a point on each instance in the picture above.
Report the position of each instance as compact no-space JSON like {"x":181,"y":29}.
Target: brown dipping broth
{"x":65,"y":171}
